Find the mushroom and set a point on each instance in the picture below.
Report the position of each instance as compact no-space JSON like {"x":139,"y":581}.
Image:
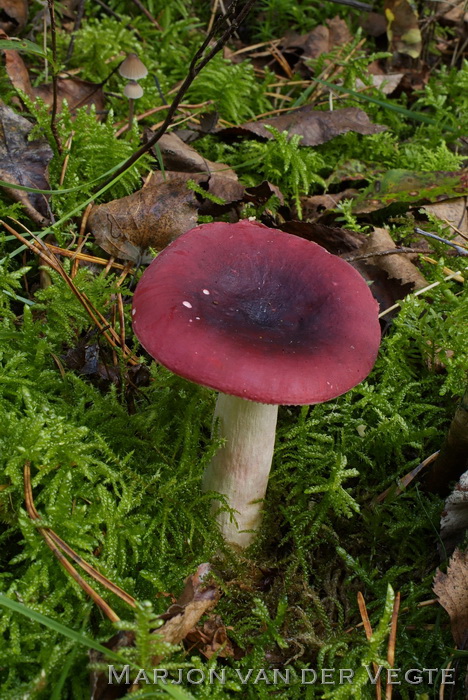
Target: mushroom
{"x":133,"y":91}
{"x":266,"y":318}
{"x":132,"y":68}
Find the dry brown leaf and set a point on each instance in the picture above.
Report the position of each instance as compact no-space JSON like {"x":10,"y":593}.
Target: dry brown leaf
{"x":211,"y":639}
{"x":457,"y":13}
{"x":149,"y":218}
{"x":455,"y":212}
{"x":321,"y":39}
{"x":314,"y":126}
{"x":386,"y":83}
{"x":216,"y":184}
{"x":452,"y":591}
{"x":24,"y":162}
{"x":77,"y":92}
{"x":13,"y":16}
{"x":195,"y":600}
{"x":396,"y":266}
{"x":179,"y":156}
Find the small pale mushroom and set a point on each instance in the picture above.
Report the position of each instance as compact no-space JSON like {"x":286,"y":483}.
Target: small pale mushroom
{"x":132,"y":68}
{"x":133,"y":91}
{"x":265,"y":318}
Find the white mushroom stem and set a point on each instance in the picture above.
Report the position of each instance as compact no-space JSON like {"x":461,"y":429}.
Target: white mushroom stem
{"x":240,"y":469}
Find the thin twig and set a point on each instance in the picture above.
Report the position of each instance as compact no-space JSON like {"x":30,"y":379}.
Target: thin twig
{"x":376,"y":254}
{"x":198,"y":62}
{"x":53,"y":115}
{"x":460,"y":250}
{"x":407,"y":479}
{"x":147,"y":14}
{"x":45,"y":532}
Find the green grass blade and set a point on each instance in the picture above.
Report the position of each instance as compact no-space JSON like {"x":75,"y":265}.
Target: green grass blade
{"x":58,"y":627}
{"x":22,"y":45}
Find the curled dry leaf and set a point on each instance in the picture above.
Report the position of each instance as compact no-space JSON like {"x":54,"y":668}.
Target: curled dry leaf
{"x":13,"y":16}
{"x":314,"y":126}
{"x":455,"y":213}
{"x":454,"y":520}
{"x":321,"y":39}
{"x":211,"y":639}
{"x":196,"y":599}
{"x":452,"y":591}
{"x":227,"y":189}
{"x":149,"y":218}
{"x":77,"y":93}
{"x":336,"y":240}
{"x":179,"y":156}
{"x":24,"y":162}
{"x":396,"y":266}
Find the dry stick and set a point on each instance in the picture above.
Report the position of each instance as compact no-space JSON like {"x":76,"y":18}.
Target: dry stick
{"x":391,"y":643}
{"x":34,"y":515}
{"x":213,"y":15}
{"x":198,"y":62}
{"x":368,"y":631}
{"x":53,"y":114}
{"x":407,"y":479}
{"x":391,"y":251}
{"x":81,"y":239}
{"x":76,"y":257}
{"x":461,"y":250}
{"x":147,"y":13}
{"x":66,"y":159}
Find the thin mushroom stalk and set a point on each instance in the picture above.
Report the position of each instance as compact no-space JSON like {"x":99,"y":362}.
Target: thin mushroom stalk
{"x":241,"y":468}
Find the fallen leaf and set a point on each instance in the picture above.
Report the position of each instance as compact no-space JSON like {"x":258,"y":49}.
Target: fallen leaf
{"x":321,"y":39}
{"x":386,"y":83}
{"x":396,"y":266}
{"x":13,"y":16}
{"x":454,"y":520}
{"x":179,"y":156}
{"x":211,"y":639}
{"x":316,"y":206}
{"x":260,"y":194}
{"x":373,"y":23}
{"x":412,"y":188}
{"x":404,"y":35}
{"x":195,"y":600}
{"x":149,"y":218}
{"x":24,"y":162}
{"x":314,"y":126}
{"x":225,"y":188}
{"x":456,"y":14}
{"x":452,"y":591}
{"x":77,"y":92}
{"x":454,"y":212}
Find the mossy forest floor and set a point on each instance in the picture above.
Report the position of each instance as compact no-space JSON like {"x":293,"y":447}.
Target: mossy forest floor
{"x":117,"y":445}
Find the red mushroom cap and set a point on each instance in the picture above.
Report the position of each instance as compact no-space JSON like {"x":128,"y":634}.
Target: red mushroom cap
{"x":257,"y":313}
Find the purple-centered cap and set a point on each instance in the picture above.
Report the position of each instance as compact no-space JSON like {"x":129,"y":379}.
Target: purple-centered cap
{"x":257,"y":313}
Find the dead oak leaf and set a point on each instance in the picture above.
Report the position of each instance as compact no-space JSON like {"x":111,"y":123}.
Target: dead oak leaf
{"x":314,"y":126}
{"x":13,"y":16}
{"x":452,"y":591}
{"x":397,"y":266}
{"x":24,"y":162}
{"x":77,"y":92}
{"x":149,"y":218}
{"x":180,"y":156}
